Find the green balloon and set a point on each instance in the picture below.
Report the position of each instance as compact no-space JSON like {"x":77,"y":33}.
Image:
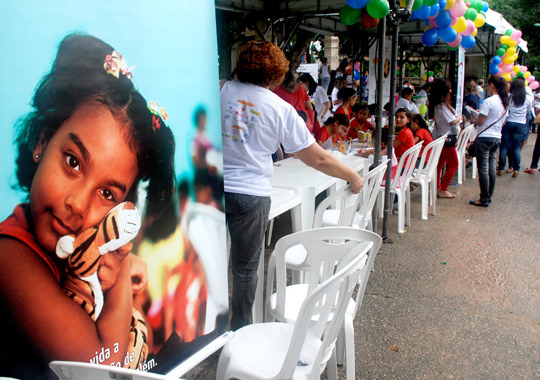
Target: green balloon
{"x":422,"y":109}
{"x":430,"y":73}
{"x":520,"y":74}
{"x":501,"y":52}
{"x":505,"y":47}
{"x":349,"y":15}
{"x":430,"y":3}
{"x":451,"y":48}
{"x":377,"y":8}
{"x":509,"y":32}
{"x":471,"y":14}
{"x":477,"y":4}
{"x":417,"y":5}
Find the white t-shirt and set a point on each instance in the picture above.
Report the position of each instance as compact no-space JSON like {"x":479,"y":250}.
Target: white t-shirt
{"x":319,"y":98}
{"x":404,"y":103}
{"x":335,"y":99}
{"x":492,"y":109}
{"x":519,"y":114}
{"x":254,"y":121}
{"x":443,"y":116}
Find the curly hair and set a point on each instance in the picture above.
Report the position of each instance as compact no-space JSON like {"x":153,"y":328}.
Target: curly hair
{"x":262,"y":63}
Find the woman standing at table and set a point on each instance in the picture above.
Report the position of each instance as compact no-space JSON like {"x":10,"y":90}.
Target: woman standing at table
{"x":446,"y":121}
{"x":254,"y":122}
{"x":488,"y":136}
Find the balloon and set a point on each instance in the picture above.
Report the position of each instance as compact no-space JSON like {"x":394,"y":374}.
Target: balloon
{"x":527,"y":75}
{"x":508,"y":59}
{"x":485,"y":6}
{"x":447,"y":34}
{"x":417,"y":4}
{"x":508,"y":68}
{"x":433,"y":23}
{"x":508,"y":32}
{"x":442,"y":4}
{"x":423,"y":12}
{"x":430,"y":3}
{"x":430,"y":79}
{"x":403,"y":3}
{"x":507,"y":77}
{"x":434,"y":10}
{"x":474,"y":33}
{"x":430,"y":36}
{"x":505,"y":46}
{"x":422,"y":109}
{"x":511,"y":51}
{"x":367,"y":21}
{"x":431,"y":73}
{"x":479,"y":20}
{"x":424,"y":77}
{"x":444,"y":19}
{"x":520,"y":74}
{"x":468,"y":42}
{"x":530,"y":78}
{"x":378,"y":8}
{"x":449,"y":4}
{"x":496,"y":60}
{"x":516,"y":35}
{"x":523,"y":68}
{"x":515,"y":69}
{"x":456,"y":42}
{"x":458,"y":9}
{"x":460,"y":25}
{"x":470,"y":28}
{"x":493,"y":69}
{"x":348,"y":15}
{"x":477,"y":4}
{"x":505,"y":39}
{"x":357,"y":4}
{"x":501,"y":52}
{"x":471,"y":14}
{"x":534,"y":85}
{"x":512,"y":75}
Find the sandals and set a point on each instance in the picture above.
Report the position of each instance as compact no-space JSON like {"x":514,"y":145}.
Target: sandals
{"x":509,"y":170}
{"x":530,"y":171}
{"x":479,"y":203}
{"x":446,"y":194}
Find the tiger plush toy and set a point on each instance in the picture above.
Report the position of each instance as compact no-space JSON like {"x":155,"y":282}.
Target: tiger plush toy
{"x":84,"y":252}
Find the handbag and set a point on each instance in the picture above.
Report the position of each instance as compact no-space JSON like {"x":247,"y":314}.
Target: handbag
{"x":451,"y":141}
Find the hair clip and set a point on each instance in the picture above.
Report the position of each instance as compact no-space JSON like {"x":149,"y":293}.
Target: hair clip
{"x":115,"y":64}
{"x":159,"y":115}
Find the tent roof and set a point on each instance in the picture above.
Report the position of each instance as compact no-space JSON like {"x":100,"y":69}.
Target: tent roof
{"x":322,"y":16}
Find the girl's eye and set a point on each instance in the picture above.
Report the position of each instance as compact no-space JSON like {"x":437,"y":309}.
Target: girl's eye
{"x":107,"y":194}
{"x":73,"y":162}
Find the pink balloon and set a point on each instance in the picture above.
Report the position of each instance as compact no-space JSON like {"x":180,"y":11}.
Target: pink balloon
{"x":500,"y":72}
{"x":508,"y":68}
{"x":458,"y":9}
{"x":524,"y":69}
{"x":516,"y":34}
{"x":530,"y":79}
{"x":470,"y":28}
{"x":518,"y":41}
{"x":512,"y":74}
{"x":433,"y":23}
{"x":534,"y":85}
{"x":430,"y":79}
{"x":456,"y":42}
{"x":454,"y":19}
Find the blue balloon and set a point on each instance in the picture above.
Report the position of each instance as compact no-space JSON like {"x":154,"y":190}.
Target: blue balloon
{"x":496,"y":60}
{"x":444,"y":19}
{"x":357,"y":4}
{"x":493,"y":69}
{"x":423,"y":12}
{"x":442,"y":4}
{"x":356,"y":75}
{"x":413,"y":16}
{"x":468,"y":42}
{"x":485,"y":6}
{"x":430,"y":36}
{"x":434,"y":10}
{"x":447,"y":34}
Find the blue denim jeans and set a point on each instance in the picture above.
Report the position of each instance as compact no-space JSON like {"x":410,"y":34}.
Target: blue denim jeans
{"x":247,"y":217}
{"x":512,"y":136}
{"x":486,"y":159}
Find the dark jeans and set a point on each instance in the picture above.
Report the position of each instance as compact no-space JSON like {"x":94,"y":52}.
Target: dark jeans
{"x":512,"y":136}
{"x":247,"y":217}
{"x":536,"y":153}
{"x":486,"y":159}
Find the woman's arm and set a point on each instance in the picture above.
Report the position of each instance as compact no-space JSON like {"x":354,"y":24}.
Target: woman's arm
{"x":324,"y":161}
{"x":57,"y":325}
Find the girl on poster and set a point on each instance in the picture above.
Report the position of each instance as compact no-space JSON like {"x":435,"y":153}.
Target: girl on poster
{"x":88,"y":142}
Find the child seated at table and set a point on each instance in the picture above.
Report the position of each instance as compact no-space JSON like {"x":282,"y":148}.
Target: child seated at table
{"x":421,"y":132}
{"x":360,"y":123}
{"x":335,"y":129}
{"x":404,"y":136}
{"x":369,"y":152}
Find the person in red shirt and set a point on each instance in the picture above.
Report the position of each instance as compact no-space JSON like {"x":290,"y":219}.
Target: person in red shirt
{"x":348,"y":97}
{"x":421,"y":132}
{"x":405,"y":138}
{"x":335,"y":127}
{"x":360,"y":122}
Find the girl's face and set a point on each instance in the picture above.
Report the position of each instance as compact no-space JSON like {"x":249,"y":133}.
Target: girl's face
{"x":342,"y":130}
{"x":401,"y":119}
{"x":414,"y":125}
{"x":84,"y":170}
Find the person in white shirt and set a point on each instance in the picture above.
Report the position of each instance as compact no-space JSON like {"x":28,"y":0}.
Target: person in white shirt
{"x":489,"y":124}
{"x":318,"y":96}
{"x":340,"y":83}
{"x":255,"y":121}
{"x":406,"y":100}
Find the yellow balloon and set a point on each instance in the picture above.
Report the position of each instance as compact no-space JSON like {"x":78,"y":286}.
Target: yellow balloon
{"x":479,"y":20}
{"x":505,"y":40}
{"x":475,"y":32}
{"x":516,"y":69}
{"x":507,"y":77}
{"x":460,"y":24}
{"x":515,"y":57}
{"x":403,"y":3}
{"x":450,"y":4}
{"x":512,"y":42}
{"x":427,"y":28}
{"x":527,"y":74}
{"x":511,"y":51}
{"x":508,"y":60}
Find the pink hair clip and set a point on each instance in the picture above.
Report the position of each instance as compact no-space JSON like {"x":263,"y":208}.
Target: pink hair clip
{"x":158,"y":114}
{"x":115,"y":64}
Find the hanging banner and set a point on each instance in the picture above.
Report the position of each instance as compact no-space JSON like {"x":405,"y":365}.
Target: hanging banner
{"x":373,"y":72}
{"x":460,"y":81}
{"x":113,"y":240}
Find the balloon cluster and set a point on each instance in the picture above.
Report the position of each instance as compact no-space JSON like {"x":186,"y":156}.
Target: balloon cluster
{"x":503,"y":63}
{"x":429,"y":76}
{"x":369,"y":12}
{"x":453,"y":21}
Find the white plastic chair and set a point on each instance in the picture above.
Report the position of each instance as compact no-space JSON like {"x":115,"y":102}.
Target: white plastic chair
{"x":400,"y":186}
{"x":425,"y":175}
{"x":368,"y":196}
{"x":300,"y":350}
{"x":461,"y":149}
{"x":205,"y":227}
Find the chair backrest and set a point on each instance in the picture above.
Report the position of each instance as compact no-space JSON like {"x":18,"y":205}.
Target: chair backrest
{"x":463,"y":139}
{"x":328,"y":249}
{"x":344,"y":200}
{"x":206,"y":229}
{"x":406,"y":166}
{"x":430,"y":158}
{"x":372,"y":184}
{"x":321,"y":315}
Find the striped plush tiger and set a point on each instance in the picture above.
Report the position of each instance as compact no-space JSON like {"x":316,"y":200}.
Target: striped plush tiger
{"x":84,"y":252}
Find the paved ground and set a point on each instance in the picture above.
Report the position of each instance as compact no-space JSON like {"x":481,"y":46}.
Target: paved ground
{"x":457,"y":295}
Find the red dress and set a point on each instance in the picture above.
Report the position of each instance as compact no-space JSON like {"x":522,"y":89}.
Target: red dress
{"x":407,"y":141}
{"x":425,"y":137}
